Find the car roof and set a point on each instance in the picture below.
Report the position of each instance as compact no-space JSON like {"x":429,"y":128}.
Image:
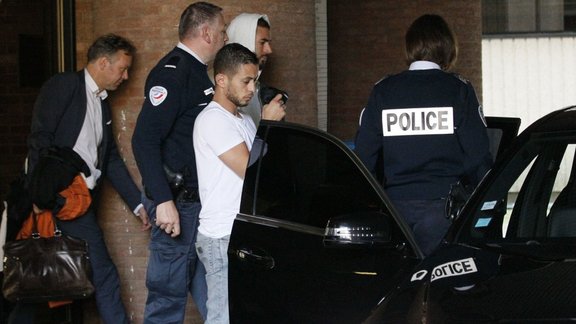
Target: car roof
{"x":560,"y":120}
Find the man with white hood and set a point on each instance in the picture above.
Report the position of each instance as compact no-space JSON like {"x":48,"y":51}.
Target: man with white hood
{"x":252,"y":30}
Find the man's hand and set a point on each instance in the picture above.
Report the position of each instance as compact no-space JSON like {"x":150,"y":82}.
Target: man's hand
{"x":143,"y":215}
{"x":167,"y":218}
{"x":275,"y":110}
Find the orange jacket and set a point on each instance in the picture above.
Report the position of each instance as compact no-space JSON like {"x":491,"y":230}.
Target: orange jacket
{"x":78,"y":201}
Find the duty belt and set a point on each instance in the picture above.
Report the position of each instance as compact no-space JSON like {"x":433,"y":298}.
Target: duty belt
{"x":182,"y":195}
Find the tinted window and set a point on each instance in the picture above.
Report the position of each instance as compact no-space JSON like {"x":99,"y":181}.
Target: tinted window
{"x":531,"y":197}
{"x":306,"y":179}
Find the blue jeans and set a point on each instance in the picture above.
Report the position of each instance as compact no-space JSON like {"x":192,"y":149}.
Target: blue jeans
{"x":173,"y":268}
{"x":214,"y":255}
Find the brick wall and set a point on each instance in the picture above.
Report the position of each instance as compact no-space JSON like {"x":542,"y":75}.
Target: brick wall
{"x":366,"y":42}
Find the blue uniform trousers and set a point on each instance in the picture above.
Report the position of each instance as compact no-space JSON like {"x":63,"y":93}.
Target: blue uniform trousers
{"x":173,"y":268}
{"x":427,"y":219}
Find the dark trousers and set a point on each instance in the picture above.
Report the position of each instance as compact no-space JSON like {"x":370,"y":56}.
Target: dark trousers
{"x":427,"y":220}
{"x":104,"y":274}
{"x":174,"y":270}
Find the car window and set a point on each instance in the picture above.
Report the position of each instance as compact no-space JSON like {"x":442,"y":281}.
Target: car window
{"x":531,"y":197}
{"x":306,"y":179}
{"x":501,"y":131}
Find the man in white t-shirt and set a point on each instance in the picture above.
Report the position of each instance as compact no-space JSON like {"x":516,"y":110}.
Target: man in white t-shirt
{"x":222,"y":141}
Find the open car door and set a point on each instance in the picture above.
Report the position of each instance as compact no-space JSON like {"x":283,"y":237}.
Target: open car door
{"x":316,"y":239}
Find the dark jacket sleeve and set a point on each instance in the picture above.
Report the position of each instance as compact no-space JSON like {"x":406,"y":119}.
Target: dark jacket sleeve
{"x":114,"y":168}
{"x":153,"y":126}
{"x":473,"y":138}
{"x":54,"y":99}
{"x":120,"y":178}
{"x":368,"y":144}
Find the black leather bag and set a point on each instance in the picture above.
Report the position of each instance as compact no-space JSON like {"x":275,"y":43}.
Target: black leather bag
{"x":40,"y":269}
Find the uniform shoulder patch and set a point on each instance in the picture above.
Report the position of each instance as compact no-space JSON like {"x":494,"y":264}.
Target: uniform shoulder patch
{"x":383,"y":78}
{"x":157,"y":95}
{"x":172,"y":62}
{"x":482,"y":117}
{"x":461,"y":78}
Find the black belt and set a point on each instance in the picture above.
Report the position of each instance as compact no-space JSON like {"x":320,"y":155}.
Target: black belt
{"x":181,"y":195}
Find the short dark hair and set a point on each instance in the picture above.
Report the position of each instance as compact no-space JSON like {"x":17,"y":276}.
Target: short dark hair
{"x":230,"y":57}
{"x":263,"y":23}
{"x":429,"y":38}
{"x":108,"y":45}
{"x":194,"y":16}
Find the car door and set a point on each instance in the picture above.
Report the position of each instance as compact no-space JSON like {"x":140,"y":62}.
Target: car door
{"x":524,"y":218}
{"x":316,"y":240}
{"x":285,"y":267}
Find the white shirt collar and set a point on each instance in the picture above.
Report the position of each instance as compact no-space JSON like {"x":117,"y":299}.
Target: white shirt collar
{"x":93,"y":87}
{"x":189,"y":51}
{"x":424,"y":65}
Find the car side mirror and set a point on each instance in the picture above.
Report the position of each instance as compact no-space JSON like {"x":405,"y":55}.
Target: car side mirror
{"x":358,"y":230}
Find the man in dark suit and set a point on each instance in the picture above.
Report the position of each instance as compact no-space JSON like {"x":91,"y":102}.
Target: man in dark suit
{"x":72,"y":111}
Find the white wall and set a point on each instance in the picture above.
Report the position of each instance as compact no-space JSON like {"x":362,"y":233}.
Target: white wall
{"x":528,"y":77}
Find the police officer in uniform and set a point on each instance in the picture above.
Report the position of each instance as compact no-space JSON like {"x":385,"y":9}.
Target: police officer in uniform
{"x":424,"y":130}
{"x":176,"y":90}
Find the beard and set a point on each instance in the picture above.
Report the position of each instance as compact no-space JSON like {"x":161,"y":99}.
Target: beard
{"x":262,"y":62}
{"x":238,"y":102}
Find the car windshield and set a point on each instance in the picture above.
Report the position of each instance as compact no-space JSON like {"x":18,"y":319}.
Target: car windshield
{"x":530,"y":205}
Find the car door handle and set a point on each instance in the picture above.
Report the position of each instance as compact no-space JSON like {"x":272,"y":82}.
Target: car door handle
{"x":259,"y":258}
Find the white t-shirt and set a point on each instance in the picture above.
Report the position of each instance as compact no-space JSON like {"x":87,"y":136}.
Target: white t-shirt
{"x":216,"y":131}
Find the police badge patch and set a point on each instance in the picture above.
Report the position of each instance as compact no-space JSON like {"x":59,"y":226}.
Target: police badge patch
{"x":157,"y":95}
{"x":481,"y":113}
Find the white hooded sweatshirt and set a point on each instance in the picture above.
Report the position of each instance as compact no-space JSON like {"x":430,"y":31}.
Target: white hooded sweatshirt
{"x":242,"y":30}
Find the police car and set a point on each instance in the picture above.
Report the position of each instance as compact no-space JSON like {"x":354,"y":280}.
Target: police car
{"x":318,"y":241}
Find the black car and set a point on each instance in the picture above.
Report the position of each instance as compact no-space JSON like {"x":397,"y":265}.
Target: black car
{"x":318,"y":241}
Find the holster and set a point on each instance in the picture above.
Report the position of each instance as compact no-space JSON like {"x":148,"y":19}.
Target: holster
{"x":457,"y":197}
{"x":187,"y":195}
{"x":176,"y":181}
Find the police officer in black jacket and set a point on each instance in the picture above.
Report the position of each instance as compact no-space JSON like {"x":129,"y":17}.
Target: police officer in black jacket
{"x":176,"y":90}
{"x":426,"y":129}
